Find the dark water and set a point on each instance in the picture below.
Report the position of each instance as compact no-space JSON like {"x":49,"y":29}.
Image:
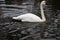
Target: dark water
{"x":15,"y":30}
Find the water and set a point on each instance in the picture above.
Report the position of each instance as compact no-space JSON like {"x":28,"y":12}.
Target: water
{"x":16,"y":30}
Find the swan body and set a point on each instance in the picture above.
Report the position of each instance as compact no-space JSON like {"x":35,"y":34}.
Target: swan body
{"x":29,"y":17}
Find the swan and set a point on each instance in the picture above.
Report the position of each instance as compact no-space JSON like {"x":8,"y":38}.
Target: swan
{"x":29,"y":17}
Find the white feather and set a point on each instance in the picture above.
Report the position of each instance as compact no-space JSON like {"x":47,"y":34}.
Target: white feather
{"x":29,"y":17}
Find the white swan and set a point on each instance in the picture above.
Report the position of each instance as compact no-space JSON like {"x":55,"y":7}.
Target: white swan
{"x":29,"y":17}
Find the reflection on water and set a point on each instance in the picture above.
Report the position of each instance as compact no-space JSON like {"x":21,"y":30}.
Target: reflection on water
{"x":30,"y":24}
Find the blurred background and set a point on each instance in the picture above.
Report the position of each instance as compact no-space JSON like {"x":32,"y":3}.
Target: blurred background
{"x":16,"y":30}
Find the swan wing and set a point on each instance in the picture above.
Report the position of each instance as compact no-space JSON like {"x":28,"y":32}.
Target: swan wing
{"x":30,"y":18}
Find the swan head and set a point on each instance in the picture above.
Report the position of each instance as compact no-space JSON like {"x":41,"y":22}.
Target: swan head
{"x":43,"y":2}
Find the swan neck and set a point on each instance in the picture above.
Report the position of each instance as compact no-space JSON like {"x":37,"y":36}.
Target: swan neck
{"x":42,"y":12}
